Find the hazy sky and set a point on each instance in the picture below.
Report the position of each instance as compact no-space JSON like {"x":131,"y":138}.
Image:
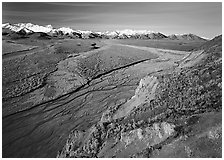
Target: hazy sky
{"x":203,"y":19}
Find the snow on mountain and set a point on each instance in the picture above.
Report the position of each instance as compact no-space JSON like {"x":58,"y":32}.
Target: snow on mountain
{"x":84,"y":32}
{"x":49,"y":26}
{"x":25,"y":30}
{"x":36,"y":28}
{"x":14,"y":28}
{"x":112,"y":33}
{"x":4,"y":25}
{"x":100,"y":33}
{"x":206,"y":38}
{"x":66,"y":30}
{"x":126,"y":32}
{"x":29,"y":26}
{"x":133,"y":32}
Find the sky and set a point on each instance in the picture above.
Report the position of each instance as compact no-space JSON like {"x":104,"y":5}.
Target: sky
{"x":201,"y":18}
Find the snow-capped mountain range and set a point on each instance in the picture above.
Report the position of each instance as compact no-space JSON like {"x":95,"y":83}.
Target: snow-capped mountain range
{"x":30,"y":28}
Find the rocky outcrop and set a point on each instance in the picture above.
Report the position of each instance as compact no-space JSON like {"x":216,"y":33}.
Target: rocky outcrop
{"x":98,"y":141}
{"x":201,"y":138}
{"x":155,"y":134}
{"x":134,"y":141}
{"x":144,"y":93}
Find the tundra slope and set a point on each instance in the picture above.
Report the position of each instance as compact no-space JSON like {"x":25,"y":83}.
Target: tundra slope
{"x":181,"y":118}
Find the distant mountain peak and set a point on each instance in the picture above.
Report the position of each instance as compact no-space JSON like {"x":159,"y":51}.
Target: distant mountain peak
{"x":49,"y":26}
{"x":133,"y":32}
{"x":121,"y":34}
{"x":66,"y":30}
{"x":186,"y":36}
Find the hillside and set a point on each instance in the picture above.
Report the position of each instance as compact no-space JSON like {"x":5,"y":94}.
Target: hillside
{"x":173,"y":113}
